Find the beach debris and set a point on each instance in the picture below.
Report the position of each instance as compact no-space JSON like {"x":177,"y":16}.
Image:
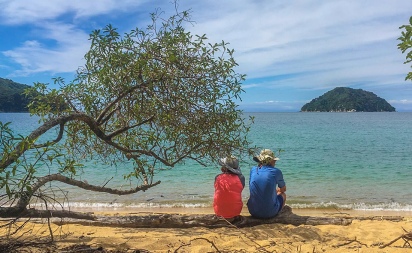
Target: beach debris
{"x":407,"y":237}
{"x":196,"y":239}
{"x":351,"y":241}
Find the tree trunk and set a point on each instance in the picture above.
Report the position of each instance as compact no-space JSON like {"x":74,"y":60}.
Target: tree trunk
{"x":286,"y":216}
{"x":15,"y":212}
{"x":208,"y":220}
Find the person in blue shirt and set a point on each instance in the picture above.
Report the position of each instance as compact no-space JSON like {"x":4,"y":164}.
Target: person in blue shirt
{"x":267,"y":187}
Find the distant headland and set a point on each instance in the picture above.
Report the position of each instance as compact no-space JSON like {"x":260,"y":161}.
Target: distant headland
{"x":12,"y":98}
{"x":340,"y":99}
{"x":343,"y":99}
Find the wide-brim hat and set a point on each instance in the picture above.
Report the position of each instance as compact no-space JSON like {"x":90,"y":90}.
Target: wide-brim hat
{"x":266,"y":155}
{"x":231,"y":163}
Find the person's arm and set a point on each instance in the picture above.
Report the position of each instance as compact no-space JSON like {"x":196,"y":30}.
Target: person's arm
{"x":282,"y":189}
{"x":242,"y":180}
{"x":280,"y":182}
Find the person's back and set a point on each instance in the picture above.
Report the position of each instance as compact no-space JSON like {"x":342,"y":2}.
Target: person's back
{"x":228,"y":195}
{"x":266,"y":200}
{"x":263,"y":196}
{"x":227,"y":200}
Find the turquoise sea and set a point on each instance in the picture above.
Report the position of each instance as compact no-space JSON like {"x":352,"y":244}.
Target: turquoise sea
{"x":360,"y":161}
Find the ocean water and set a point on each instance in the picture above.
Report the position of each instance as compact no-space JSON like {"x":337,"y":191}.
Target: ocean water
{"x":360,"y":161}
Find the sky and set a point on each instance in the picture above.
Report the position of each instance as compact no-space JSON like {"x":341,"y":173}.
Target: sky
{"x":291,"y":51}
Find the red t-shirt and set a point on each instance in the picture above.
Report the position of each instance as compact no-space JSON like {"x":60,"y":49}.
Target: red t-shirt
{"x":227,"y":201}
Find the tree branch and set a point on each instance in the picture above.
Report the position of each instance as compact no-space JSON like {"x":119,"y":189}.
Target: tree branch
{"x":58,"y":177}
{"x":24,"y":199}
{"x":23,"y":147}
{"x":13,"y":212}
{"x":124,"y":129}
{"x":121,"y":96}
{"x":59,"y":137}
{"x":62,"y":120}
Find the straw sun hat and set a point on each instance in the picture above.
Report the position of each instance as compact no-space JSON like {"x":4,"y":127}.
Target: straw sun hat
{"x":265,"y":156}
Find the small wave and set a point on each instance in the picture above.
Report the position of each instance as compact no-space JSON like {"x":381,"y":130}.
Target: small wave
{"x":382,"y":207}
{"x":355,"y":206}
{"x":322,"y":205}
{"x":157,"y":205}
{"x":115,"y":206}
{"x":68,"y":205}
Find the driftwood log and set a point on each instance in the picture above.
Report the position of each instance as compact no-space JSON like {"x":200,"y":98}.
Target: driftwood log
{"x":286,"y":216}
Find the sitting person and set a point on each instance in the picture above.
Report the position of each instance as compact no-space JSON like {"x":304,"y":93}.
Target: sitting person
{"x":227,"y":201}
{"x":266,"y":200}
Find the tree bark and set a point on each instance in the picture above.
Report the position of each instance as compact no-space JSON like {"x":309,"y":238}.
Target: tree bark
{"x":15,"y":212}
{"x":286,"y":216}
{"x":208,"y":220}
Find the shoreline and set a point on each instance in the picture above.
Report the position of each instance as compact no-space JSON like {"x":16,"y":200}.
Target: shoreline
{"x":209,"y":210}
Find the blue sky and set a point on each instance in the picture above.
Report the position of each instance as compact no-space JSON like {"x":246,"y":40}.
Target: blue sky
{"x":291,"y":51}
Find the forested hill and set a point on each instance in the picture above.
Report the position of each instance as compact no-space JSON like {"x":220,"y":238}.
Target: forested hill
{"x":12,"y":98}
{"x":342,"y":99}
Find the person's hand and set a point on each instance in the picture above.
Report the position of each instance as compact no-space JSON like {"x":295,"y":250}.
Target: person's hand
{"x":281,"y":190}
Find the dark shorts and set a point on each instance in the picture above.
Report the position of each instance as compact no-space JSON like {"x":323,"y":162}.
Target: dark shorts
{"x":280,"y":202}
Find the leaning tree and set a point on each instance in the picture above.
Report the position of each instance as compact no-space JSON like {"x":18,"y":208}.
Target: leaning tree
{"x":153,"y":96}
{"x":405,"y":44}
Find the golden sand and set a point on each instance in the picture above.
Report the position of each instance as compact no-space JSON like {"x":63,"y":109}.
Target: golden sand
{"x":363,"y":235}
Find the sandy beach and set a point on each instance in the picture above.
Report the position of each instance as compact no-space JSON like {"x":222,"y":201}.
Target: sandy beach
{"x":362,"y":235}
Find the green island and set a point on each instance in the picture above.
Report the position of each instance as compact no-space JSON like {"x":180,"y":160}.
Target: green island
{"x":344,"y":99}
{"x":12,"y":98}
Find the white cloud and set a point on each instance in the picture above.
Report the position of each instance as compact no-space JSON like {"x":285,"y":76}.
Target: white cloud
{"x":274,"y":37}
{"x":248,"y":86}
{"x":402,"y":104}
{"x":65,"y":56}
{"x":59,"y":44}
{"x":28,"y":11}
{"x":402,"y":101}
{"x":300,"y":44}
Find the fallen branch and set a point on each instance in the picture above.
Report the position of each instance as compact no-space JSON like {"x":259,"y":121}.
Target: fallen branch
{"x":201,"y":238}
{"x":379,"y":218}
{"x":33,"y":213}
{"x":406,"y":237}
{"x":22,"y":246}
{"x":208,"y":220}
{"x":349,"y":242}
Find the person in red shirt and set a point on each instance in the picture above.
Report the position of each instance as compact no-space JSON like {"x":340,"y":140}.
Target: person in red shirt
{"x":227,"y":201}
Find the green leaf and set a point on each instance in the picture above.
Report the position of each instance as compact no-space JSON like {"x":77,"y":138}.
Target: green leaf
{"x":8,"y":191}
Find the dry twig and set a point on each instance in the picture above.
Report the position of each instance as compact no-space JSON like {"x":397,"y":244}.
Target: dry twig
{"x":406,"y":237}
{"x":200,"y":238}
{"x":349,"y":242}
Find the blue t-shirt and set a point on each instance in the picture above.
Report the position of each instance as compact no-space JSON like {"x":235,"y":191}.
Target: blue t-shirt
{"x":263,"y":202}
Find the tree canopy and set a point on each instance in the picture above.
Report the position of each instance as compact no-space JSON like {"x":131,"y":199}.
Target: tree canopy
{"x":153,"y":96}
{"x":405,"y":44}
{"x":343,"y":99}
